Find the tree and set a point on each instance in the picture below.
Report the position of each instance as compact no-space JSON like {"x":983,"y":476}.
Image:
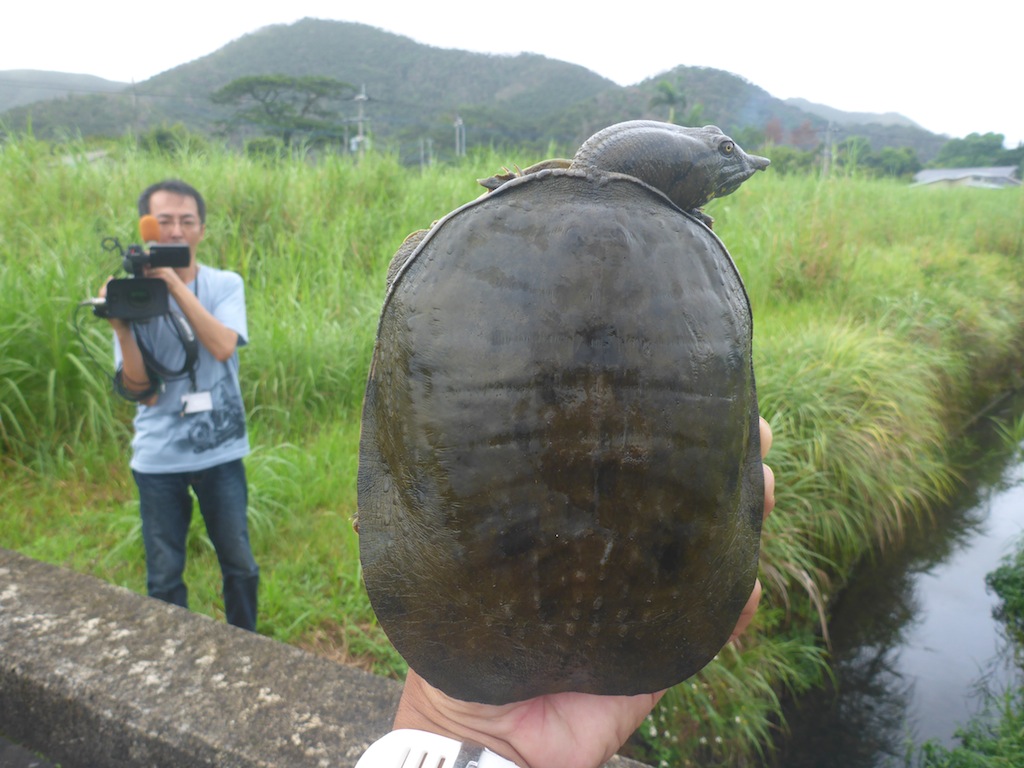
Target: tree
{"x":749,"y":137}
{"x":853,"y":154}
{"x":172,"y":140}
{"x":787,"y":160}
{"x":804,"y":136}
{"x":773,"y":131}
{"x":695,"y":116}
{"x":897,"y":161}
{"x":284,"y":106}
{"x":974,"y":151}
{"x":667,"y":95}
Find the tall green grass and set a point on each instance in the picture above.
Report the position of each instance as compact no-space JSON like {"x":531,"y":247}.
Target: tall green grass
{"x":884,"y":317}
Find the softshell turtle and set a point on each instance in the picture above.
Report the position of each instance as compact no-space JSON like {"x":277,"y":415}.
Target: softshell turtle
{"x":560,"y":483}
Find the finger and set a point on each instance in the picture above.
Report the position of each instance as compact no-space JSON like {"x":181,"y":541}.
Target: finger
{"x":766,"y":437}
{"x":747,"y":614}
{"x":769,"y":490}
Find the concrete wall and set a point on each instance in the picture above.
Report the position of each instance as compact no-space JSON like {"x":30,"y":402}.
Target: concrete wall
{"x":96,"y":676}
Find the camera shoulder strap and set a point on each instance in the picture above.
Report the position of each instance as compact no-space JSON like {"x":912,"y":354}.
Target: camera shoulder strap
{"x":188,"y":342}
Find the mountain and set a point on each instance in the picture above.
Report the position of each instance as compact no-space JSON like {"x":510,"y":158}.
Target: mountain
{"x":25,"y":86}
{"x":415,"y":93}
{"x":852,"y":118}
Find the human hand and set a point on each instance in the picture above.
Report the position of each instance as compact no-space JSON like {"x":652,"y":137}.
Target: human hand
{"x":118,"y":324}
{"x":747,"y":614}
{"x":561,"y":730}
{"x":168,"y":274}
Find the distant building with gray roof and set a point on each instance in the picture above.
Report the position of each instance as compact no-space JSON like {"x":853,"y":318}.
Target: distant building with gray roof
{"x":996,"y":177}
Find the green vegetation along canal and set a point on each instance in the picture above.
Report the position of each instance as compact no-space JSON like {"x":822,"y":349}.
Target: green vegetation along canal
{"x":915,"y":641}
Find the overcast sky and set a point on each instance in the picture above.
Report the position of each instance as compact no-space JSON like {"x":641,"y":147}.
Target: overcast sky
{"x":953,"y":71}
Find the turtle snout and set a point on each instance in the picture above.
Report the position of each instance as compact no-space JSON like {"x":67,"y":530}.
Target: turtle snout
{"x":759,"y":163}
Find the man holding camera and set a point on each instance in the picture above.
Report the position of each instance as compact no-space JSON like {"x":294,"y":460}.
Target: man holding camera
{"x":190,"y":433}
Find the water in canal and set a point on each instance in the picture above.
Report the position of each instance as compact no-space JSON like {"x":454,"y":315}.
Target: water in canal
{"x":914,"y":638}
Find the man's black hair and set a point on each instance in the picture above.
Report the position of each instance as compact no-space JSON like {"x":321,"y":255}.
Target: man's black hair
{"x":178,"y":187}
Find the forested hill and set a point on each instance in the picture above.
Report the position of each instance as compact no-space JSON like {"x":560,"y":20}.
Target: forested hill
{"x":26,"y":86}
{"x":415,"y":93}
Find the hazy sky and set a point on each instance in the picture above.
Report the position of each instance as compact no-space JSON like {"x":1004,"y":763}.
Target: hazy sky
{"x":953,"y":72}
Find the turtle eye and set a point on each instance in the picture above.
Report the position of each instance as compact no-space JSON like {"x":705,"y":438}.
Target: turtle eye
{"x":726,"y":147}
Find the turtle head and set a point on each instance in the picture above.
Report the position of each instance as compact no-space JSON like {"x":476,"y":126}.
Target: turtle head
{"x":689,"y":165}
{"x":728,"y":165}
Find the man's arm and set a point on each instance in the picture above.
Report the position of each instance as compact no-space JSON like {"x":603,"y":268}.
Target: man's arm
{"x":219,"y":340}
{"x":134,"y":377}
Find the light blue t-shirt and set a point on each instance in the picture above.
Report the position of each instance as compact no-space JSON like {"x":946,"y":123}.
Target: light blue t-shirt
{"x":166,"y":440}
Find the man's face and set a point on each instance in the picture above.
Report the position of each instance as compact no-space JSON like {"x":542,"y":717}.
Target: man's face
{"x":179,"y":219}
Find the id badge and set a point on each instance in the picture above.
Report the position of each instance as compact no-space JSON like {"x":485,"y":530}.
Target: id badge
{"x":196,"y":402}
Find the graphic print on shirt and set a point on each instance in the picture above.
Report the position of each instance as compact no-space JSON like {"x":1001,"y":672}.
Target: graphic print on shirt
{"x":224,"y":423}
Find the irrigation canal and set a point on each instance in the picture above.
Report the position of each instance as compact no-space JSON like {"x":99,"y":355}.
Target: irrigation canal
{"x":915,"y":642}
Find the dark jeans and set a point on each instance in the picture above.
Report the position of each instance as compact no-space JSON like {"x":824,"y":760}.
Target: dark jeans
{"x":166,"y":507}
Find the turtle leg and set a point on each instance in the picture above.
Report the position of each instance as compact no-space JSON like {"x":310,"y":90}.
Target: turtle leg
{"x":405,"y":250}
{"x":493,"y":182}
{"x":702,"y":217}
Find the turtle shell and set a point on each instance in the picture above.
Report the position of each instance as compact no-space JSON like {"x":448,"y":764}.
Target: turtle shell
{"x":560,"y":483}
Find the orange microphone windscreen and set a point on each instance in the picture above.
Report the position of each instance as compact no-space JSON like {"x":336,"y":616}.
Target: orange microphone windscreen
{"x":149,"y":228}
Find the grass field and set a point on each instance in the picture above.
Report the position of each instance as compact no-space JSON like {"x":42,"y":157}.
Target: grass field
{"x":885,"y":316}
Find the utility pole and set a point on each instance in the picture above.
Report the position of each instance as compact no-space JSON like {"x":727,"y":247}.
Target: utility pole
{"x":826,"y":155}
{"x":426,"y":152}
{"x":135,"y":108}
{"x":359,"y":143}
{"x":460,"y":137}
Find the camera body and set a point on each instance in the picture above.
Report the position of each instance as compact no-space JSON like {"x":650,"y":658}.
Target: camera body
{"x":139,"y":297}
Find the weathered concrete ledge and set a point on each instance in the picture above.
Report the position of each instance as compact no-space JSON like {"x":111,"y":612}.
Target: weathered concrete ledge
{"x":95,"y":675}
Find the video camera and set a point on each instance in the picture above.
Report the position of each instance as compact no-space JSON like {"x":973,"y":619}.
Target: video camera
{"x":139,"y":297}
